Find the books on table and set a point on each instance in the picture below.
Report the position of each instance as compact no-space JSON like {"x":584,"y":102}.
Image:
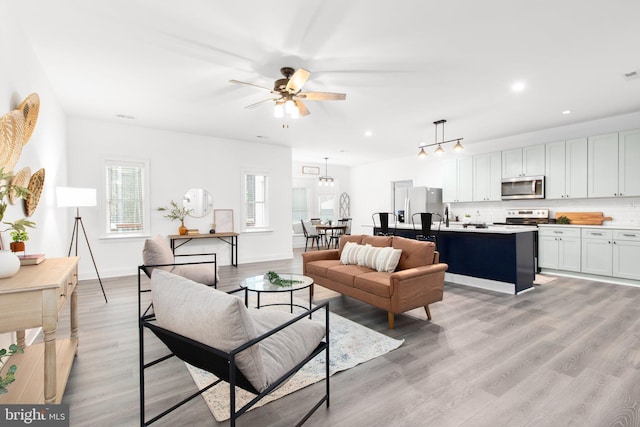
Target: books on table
{"x":31,"y":259}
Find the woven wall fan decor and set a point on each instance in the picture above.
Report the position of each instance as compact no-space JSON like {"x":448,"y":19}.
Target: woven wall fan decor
{"x":36,"y":183}
{"x":11,"y":139}
{"x":30,"y":108}
{"x":21,"y":179}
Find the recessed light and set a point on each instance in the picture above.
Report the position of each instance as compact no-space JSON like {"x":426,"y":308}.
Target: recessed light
{"x":518,"y":86}
{"x":565,"y":112}
{"x":368,"y":133}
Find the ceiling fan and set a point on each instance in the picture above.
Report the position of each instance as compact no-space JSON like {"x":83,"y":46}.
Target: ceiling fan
{"x":288,"y":94}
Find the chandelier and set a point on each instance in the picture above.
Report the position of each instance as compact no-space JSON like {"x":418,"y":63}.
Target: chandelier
{"x":439,"y":150}
{"x":326,"y":180}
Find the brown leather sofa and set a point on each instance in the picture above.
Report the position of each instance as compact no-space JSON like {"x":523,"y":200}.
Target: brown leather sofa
{"x":417,"y":281}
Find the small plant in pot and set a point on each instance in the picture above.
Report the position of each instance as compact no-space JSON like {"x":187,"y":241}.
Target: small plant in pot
{"x":175,"y":212}
{"x":18,"y":237}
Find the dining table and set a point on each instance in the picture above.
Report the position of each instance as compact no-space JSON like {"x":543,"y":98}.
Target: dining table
{"x":329,"y":231}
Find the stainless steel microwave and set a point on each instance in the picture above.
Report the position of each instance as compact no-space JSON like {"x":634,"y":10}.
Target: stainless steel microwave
{"x":523,"y":187}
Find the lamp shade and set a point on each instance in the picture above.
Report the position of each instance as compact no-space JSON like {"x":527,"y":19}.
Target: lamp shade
{"x":75,"y":197}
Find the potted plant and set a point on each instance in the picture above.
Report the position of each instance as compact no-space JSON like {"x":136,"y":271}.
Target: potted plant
{"x":9,"y":262}
{"x":18,"y":237}
{"x":175,"y":212}
{"x":10,"y":375}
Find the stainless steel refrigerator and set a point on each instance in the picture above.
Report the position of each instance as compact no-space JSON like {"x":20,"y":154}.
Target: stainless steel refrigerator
{"x":418,"y":199}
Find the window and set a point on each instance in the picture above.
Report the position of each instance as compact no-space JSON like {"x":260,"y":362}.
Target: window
{"x":299,"y":204}
{"x":256,"y":190}
{"x":127,"y":205}
{"x":327,"y":206}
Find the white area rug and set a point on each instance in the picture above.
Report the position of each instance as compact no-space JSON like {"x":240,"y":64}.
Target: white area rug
{"x":351,"y":344}
{"x":541,"y":279}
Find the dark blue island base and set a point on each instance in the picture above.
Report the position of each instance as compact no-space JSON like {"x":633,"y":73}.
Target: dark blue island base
{"x":500,"y":261}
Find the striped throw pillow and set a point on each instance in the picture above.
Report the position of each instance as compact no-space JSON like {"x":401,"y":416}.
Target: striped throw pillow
{"x":350,"y":253}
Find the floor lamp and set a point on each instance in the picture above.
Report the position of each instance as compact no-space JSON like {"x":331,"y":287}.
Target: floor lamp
{"x":72,"y":197}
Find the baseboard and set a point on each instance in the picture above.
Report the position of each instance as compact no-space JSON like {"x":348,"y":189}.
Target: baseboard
{"x":604,"y":279}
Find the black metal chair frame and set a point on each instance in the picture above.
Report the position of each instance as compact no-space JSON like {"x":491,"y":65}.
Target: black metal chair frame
{"x":315,"y":238}
{"x":424,"y":232}
{"x":383,"y":217}
{"x":221,"y":364}
{"x":335,"y":238}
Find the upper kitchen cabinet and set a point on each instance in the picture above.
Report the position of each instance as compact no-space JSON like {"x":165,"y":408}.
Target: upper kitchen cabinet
{"x":487,"y":173}
{"x":610,"y":153}
{"x":526,"y":161}
{"x":566,"y":169}
{"x":458,"y":180}
{"x":628,"y":163}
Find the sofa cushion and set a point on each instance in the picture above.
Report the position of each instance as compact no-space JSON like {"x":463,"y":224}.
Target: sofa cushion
{"x":345,"y":274}
{"x":197,"y":311}
{"x":376,"y":283}
{"x":320,"y":267}
{"x":414,"y":253}
{"x":378,"y":241}
{"x":286,"y":348}
{"x":157,"y":251}
{"x":380,"y":259}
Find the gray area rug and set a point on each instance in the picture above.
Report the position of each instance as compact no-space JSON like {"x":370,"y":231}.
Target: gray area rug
{"x":351,"y":344}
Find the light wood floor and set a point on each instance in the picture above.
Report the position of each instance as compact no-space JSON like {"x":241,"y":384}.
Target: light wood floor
{"x":564,"y":354}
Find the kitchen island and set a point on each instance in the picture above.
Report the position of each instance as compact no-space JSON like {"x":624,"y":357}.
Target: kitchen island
{"x":498,"y":258}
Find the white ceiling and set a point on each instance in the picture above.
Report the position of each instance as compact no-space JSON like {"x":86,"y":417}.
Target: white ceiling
{"x":403,"y":64}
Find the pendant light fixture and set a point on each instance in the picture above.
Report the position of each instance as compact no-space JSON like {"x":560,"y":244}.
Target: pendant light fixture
{"x":439,"y":150}
{"x":326,"y":180}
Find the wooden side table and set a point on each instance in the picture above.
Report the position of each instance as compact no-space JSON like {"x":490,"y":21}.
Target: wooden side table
{"x":30,"y":299}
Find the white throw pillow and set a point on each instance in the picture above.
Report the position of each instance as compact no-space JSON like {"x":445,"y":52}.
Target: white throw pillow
{"x":209,"y":316}
{"x":379,"y":258}
{"x":387,"y":259}
{"x":350,"y":253}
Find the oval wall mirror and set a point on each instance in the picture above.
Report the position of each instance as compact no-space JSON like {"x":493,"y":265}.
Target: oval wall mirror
{"x":199,"y":201}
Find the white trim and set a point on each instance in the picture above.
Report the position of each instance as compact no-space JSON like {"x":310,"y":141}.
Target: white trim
{"x":476,"y":282}
{"x":604,"y":279}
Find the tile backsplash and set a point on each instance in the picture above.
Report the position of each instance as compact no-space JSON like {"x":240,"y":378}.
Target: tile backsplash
{"x":625,"y":211}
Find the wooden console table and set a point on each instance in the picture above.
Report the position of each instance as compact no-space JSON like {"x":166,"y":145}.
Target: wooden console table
{"x":31,"y":299}
{"x":230,"y":238}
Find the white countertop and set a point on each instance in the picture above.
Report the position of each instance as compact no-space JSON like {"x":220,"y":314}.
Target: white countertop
{"x":458,"y":227}
{"x":608,"y":227}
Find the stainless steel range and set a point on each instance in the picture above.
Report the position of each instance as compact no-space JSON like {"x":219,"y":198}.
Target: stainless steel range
{"x":529,"y":217}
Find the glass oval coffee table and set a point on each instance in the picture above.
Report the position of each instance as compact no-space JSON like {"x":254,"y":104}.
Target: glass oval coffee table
{"x":260,"y":285}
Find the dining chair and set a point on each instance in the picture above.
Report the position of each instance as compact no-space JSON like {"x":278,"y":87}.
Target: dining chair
{"x":383,"y":221}
{"x":310,"y":232}
{"x":335,"y":237}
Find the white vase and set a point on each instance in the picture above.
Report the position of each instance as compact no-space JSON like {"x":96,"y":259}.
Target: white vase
{"x":9,"y":264}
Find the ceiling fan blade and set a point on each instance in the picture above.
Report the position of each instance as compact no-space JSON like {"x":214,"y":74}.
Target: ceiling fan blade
{"x":250,"y":84}
{"x":298,"y":80}
{"x":304,"y":111}
{"x":322,"y":96}
{"x":255,"y":104}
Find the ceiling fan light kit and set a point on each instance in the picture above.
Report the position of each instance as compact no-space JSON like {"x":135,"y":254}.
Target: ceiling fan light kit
{"x":289,"y":95}
{"x":439,"y":150}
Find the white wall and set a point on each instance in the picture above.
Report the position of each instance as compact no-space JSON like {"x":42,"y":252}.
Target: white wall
{"x":21,"y":75}
{"x":178,"y":162}
{"x":371,"y":183}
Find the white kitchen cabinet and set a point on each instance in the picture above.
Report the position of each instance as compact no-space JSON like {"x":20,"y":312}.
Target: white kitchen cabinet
{"x":628,"y":163}
{"x":487,"y":173}
{"x":626,"y":254}
{"x":566,"y":169}
{"x":597,"y":252}
{"x":559,"y":248}
{"x":602,"y":166}
{"x":458,"y":180}
{"x":527,"y":161}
